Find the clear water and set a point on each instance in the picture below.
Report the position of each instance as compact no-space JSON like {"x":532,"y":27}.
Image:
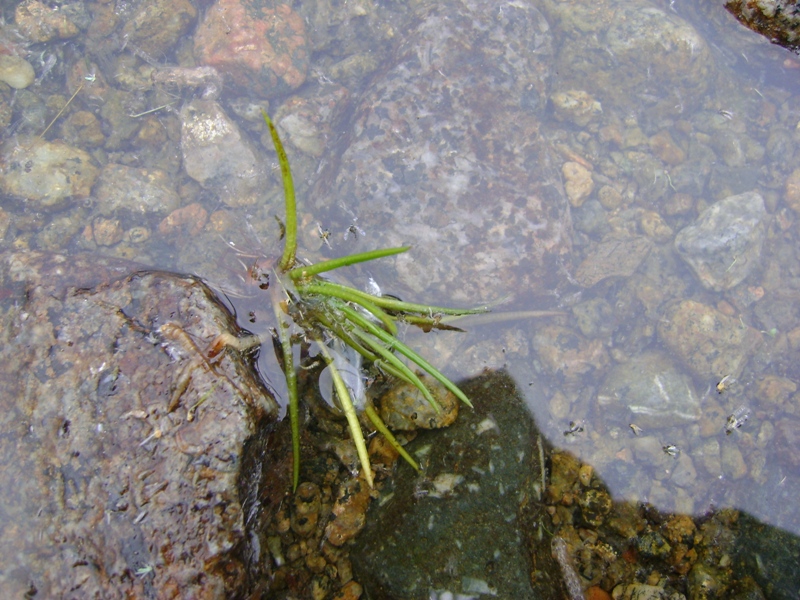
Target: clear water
{"x":749,"y":91}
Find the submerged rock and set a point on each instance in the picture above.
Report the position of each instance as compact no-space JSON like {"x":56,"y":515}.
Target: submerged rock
{"x":649,"y":391}
{"x":46,"y":173}
{"x":122,"y":438}
{"x":219,"y":156}
{"x":262,"y":48}
{"x":708,"y":342}
{"x":447,"y":158}
{"x":724,"y":245}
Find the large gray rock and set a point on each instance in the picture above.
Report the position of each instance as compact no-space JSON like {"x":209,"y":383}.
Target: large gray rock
{"x":649,"y":391}
{"x":724,"y":245}
{"x":122,"y":439}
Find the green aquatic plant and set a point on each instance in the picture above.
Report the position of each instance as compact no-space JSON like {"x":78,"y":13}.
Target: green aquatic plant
{"x":347,"y":326}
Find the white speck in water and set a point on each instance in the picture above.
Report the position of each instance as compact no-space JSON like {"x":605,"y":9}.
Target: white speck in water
{"x":486,"y":425}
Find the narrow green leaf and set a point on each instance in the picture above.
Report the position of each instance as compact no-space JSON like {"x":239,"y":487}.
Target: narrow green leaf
{"x":350,"y":414}
{"x":291,"y":386}
{"x":304,"y":272}
{"x":290,"y":245}
{"x":381,"y":426}
{"x":346,"y":293}
{"x":398,"y":364}
{"x":393,"y":342}
{"x":393,"y":303}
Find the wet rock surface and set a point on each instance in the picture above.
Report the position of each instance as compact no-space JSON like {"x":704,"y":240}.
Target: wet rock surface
{"x":123,"y":435}
{"x":139,"y":191}
{"x":609,"y":41}
{"x":724,"y":245}
{"x":614,"y":257}
{"x":455,"y":528}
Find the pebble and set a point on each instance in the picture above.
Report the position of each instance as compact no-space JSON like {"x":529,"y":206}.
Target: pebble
{"x":578,"y":182}
{"x":733,"y":464}
{"x":47,"y":173}
{"x":576,"y":106}
{"x":655,"y":227}
{"x":40,"y":22}
{"x":260,"y":49}
{"x":187,"y":221}
{"x":349,"y":511}
{"x":650,"y":391}
{"x":775,"y":390}
{"x":158,"y":24}
{"x":16,"y":71}
{"x":138,"y":191}
{"x":709,"y":343}
{"x":107,"y":232}
{"x":665,"y":148}
{"x":613,"y":257}
{"x":404,"y":408}
{"x":219,"y":156}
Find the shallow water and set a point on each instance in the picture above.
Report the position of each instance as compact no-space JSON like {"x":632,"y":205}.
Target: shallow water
{"x":706,"y":111}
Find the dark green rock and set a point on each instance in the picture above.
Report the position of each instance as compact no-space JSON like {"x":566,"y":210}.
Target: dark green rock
{"x":420,"y":539}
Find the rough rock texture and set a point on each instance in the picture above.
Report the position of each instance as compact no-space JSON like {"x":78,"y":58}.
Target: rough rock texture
{"x":778,"y":20}
{"x":617,"y":51}
{"x":158,"y":24}
{"x":613,"y":257}
{"x":122,"y":435}
{"x":650,"y":392}
{"x":138,"y":191}
{"x":446,"y":156}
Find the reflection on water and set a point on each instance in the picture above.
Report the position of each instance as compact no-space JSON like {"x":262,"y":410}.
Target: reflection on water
{"x":629,"y":165}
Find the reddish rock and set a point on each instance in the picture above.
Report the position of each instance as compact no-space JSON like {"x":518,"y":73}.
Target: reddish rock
{"x":262,"y":49}
{"x":188,"y":220}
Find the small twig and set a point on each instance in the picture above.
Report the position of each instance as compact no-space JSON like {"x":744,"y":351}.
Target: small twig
{"x":71,"y":98}
{"x":152,"y":110}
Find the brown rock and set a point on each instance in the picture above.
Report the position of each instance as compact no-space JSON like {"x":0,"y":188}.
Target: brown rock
{"x":665,"y":148}
{"x":349,"y":511}
{"x":107,"y":232}
{"x":124,"y":441}
{"x":613,"y":257}
{"x":159,"y":24}
{"x":566,"y":352}
{"x":774,"y":389}
{"x":709,"y":343}
{"x":188,"y":220}
{"x":41,"y":23}
{"x":792,"y":193}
